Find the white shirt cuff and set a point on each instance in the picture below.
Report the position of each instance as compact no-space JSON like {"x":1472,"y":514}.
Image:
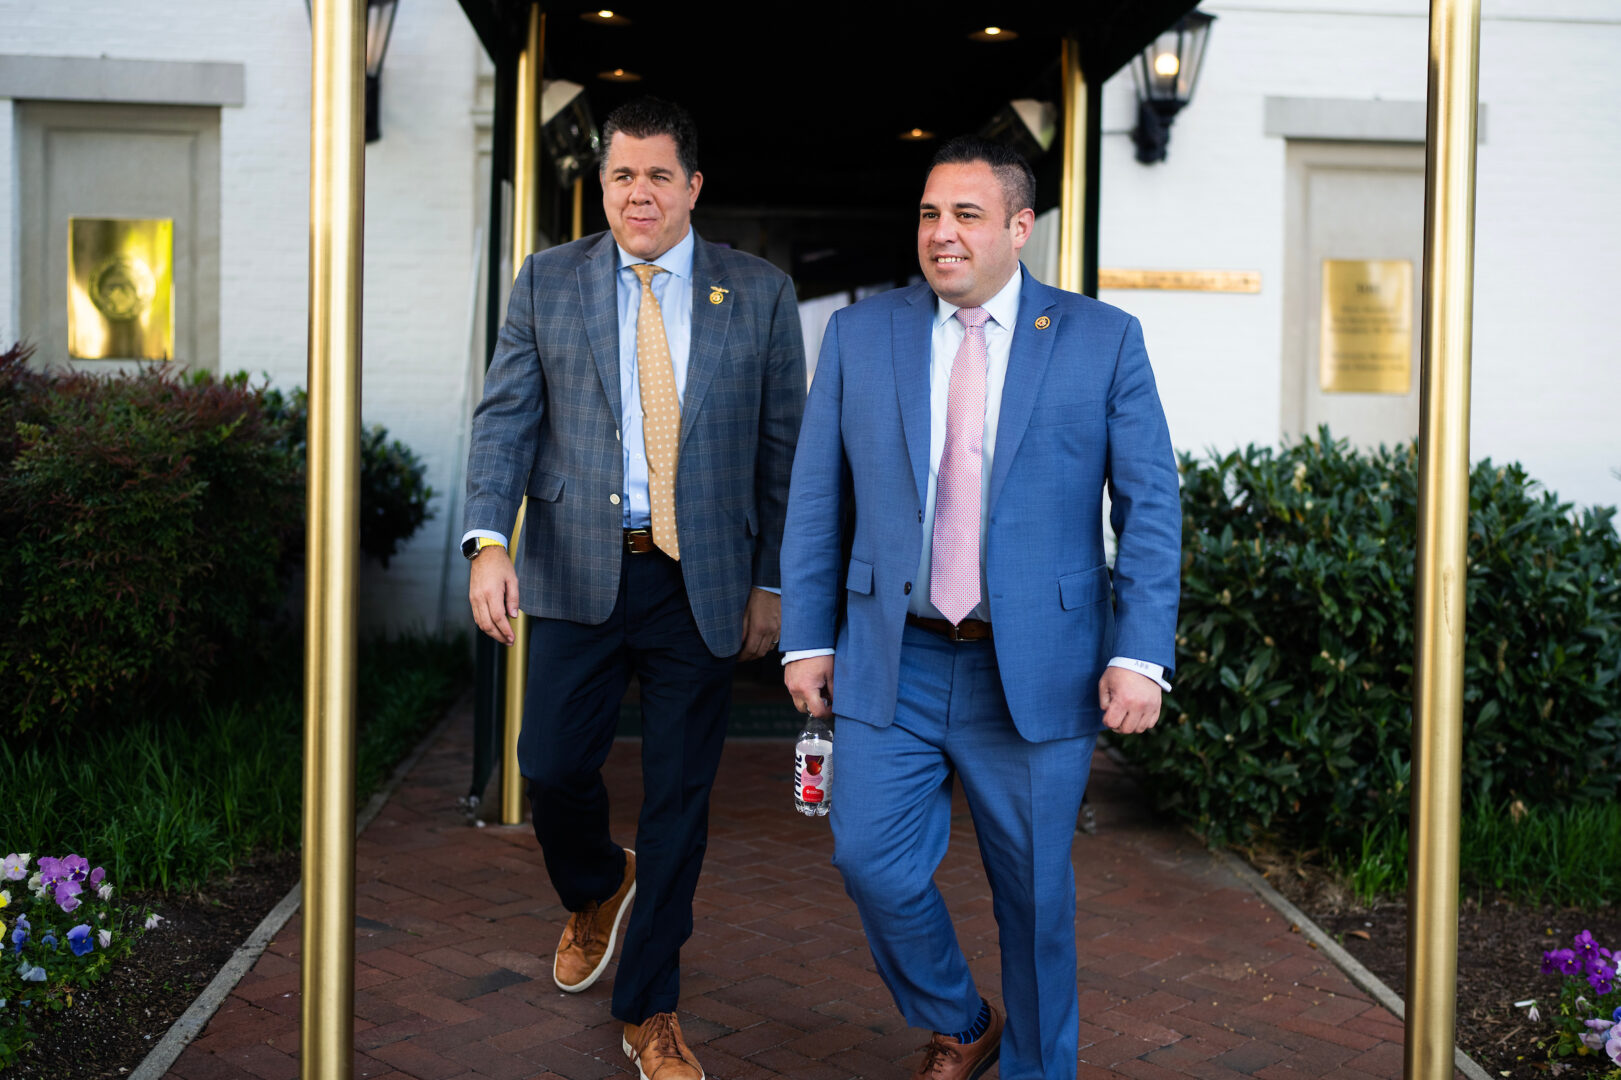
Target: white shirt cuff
{"x":497,"y":537}
{"x":1143,"y":667}
{"x":803,"y":654}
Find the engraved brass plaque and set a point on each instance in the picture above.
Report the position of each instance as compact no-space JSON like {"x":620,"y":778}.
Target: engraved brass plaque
{"x":1367,"y":326}
{"x":1241,"y":281}
{"x":120,"y":288}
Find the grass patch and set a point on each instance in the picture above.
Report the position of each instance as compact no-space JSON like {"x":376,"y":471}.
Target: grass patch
{"x":1568,"y":855}
{"x":167,"y":802}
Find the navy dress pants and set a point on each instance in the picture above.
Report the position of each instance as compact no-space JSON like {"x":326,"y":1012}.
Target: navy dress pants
{"x":577,"y":676}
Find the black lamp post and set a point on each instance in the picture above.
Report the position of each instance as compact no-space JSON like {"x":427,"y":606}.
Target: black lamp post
{"x":379,"y":25}
{"x":1165,"y":73}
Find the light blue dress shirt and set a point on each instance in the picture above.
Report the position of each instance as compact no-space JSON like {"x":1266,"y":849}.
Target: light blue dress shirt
{"x":674,"y":293}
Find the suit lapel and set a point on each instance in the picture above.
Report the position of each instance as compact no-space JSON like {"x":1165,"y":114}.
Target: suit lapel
{"x":912,"y":327}
{"x":709,"y":323}
{"x":599,"y":300}
{"x":1026,"y":366}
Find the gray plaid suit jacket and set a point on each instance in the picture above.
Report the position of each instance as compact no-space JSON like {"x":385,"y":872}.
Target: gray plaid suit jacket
{"x":548,"y":428}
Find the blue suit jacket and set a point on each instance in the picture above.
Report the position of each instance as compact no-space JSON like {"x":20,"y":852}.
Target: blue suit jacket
{"x":1079,"y":410}
{"x":548,"y":427}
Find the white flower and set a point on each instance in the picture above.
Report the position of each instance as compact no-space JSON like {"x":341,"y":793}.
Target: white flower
{"x":1533,"y":1015}
{"x":36,"y":885}
{"x":152,"y":921}
{"x":105,"y":938}
{"x":105,"y":892}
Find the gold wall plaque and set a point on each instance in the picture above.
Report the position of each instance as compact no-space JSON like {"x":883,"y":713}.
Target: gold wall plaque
{"x":1367,"y":335}
{"x":1243,"y":281}
{"x":120,"y":288}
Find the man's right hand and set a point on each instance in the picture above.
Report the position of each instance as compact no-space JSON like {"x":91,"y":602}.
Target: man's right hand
{"x":810,"y":681}
{"x":492,"y":589}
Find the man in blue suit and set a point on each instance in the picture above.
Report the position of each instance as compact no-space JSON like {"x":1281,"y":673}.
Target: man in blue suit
{"x":958,"y":437}
{"x":645,"y":396}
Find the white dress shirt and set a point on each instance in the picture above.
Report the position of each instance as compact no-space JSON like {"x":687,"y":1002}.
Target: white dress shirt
{"x":948,"y":334}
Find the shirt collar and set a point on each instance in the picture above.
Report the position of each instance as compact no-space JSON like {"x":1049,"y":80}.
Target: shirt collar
{"x":1003,"y":307}
{"x":677,"y":261}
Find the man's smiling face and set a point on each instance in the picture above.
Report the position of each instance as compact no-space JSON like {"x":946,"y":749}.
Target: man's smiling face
{"x":646,"y":194}
{"x":967,"y":241}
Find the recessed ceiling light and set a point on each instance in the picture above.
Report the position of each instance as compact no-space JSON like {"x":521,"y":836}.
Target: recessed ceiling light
{"x":916,"y":135}
{"x":619,"y":75}
{"x":993,"y":33}
{"x":605,"y":17}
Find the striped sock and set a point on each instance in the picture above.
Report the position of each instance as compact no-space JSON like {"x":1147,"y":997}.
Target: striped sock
{"x":981,"y":1022}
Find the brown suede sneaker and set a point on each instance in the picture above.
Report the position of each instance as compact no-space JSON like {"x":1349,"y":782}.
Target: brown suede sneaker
{"x":588,"y":939}
{"x":947,"y":1059}
{"x":658,"y":1051}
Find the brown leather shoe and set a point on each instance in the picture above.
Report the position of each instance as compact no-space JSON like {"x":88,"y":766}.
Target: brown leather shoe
{"x":658,"y":1051}
{"x":588,"y":939}
{"x":947,"y":1059}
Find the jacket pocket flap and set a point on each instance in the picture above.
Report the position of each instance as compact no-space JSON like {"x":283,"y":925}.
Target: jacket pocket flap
{"x":545,"y":486}
{"x":860,"y":577}
{"x":1086,"y":587}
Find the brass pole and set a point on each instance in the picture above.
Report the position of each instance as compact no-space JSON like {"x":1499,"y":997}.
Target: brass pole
{"x":332,"y":545}
{"x":1443,"y":511}
{"x":579,"y":208}
{"x":525,"y":190}
{"x":1072,"y":185}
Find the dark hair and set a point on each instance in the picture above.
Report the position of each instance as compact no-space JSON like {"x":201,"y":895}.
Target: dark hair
{"x":646,"y":117}
{"x":1008,"y":165}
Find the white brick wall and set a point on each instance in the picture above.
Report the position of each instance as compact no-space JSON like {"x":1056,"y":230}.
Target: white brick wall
{"x":1546,"y":384}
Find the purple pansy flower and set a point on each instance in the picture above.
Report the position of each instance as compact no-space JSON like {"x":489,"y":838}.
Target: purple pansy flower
{"x":1570,"y":963}
{"x":15,"y":867}
{"x":20,"y":933}
{"x":77,"y":868}
{"x":1584,"y":943}
{"x":50,"y":870}
{"x":79,"y":939}
{"x":1553,"y":963}
{"x":99,"y":872}
{"x":67,"y":895}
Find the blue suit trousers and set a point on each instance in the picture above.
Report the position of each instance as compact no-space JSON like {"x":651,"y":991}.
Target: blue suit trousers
{"x":891,"y":820}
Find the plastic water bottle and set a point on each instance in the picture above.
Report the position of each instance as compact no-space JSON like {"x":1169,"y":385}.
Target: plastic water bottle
{"x":813,"y":768}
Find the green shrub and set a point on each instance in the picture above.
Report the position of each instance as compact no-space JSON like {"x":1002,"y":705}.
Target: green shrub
{"x":394,"y":499}
{"x":1291,"y":712}
{"x":142,"y":521}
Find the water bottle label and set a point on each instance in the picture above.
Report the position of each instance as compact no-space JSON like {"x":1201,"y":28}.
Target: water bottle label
{"x":811,"y":777}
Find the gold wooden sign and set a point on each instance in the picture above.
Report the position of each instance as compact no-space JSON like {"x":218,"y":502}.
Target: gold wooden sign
{"x":1241,"y":281}
{"x":120,"y":288}
{"x":1367,"y":326}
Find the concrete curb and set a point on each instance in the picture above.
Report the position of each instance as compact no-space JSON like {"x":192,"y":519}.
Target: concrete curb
{"x":1347,"y":963}
{"x":162,"y":1057}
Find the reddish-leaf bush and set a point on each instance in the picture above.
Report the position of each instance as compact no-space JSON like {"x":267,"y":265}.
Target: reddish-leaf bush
{"x":143,"y":520}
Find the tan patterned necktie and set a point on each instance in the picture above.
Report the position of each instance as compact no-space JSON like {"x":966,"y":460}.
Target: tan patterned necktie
{"x":661,"y":411}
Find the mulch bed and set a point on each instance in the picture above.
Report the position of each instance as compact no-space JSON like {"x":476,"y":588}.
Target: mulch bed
{"x":1500,"y":947}
{"x":116,"y":1022}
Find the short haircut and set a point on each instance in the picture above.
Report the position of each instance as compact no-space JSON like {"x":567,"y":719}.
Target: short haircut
{"x":1007,"y":164}
{"x":646,"y":117}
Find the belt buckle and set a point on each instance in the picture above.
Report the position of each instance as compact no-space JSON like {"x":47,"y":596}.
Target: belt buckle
{"x":955,"y":634}
{"x":629,"y":544}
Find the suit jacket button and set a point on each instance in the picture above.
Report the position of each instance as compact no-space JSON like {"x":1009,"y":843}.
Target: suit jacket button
{"x":614,"y":499}
{"x":908,"y":588}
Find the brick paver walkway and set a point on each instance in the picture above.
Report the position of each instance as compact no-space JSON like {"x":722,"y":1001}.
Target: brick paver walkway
{"x":1184,"y":971}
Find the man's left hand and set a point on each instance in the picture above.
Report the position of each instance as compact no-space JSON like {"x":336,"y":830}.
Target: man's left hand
{"x":1130,"y":702}
{"x":762,"y":622}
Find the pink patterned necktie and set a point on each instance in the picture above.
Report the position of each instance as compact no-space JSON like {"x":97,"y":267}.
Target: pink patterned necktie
{"x":954,"y":565}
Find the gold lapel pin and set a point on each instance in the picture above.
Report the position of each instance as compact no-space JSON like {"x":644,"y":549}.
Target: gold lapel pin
{"x":1042,"y":322}
{"x":717,"y":295}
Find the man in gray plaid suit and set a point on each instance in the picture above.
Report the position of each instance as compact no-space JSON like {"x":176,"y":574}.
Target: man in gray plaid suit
{"x":645,"y":395}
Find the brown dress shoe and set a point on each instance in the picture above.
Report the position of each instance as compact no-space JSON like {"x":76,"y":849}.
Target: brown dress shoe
{"x":947,"y":1059}
{"x":658,"y":1051}
{"x":588,"y":939}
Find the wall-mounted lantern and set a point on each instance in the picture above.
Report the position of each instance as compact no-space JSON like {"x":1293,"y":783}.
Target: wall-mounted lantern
{"x":379,"y":25}
{"x":1165,"y":73}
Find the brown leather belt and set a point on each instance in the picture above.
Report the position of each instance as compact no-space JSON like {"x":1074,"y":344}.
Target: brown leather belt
{"x":639,"y":541}
{"x":967,"y":630}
